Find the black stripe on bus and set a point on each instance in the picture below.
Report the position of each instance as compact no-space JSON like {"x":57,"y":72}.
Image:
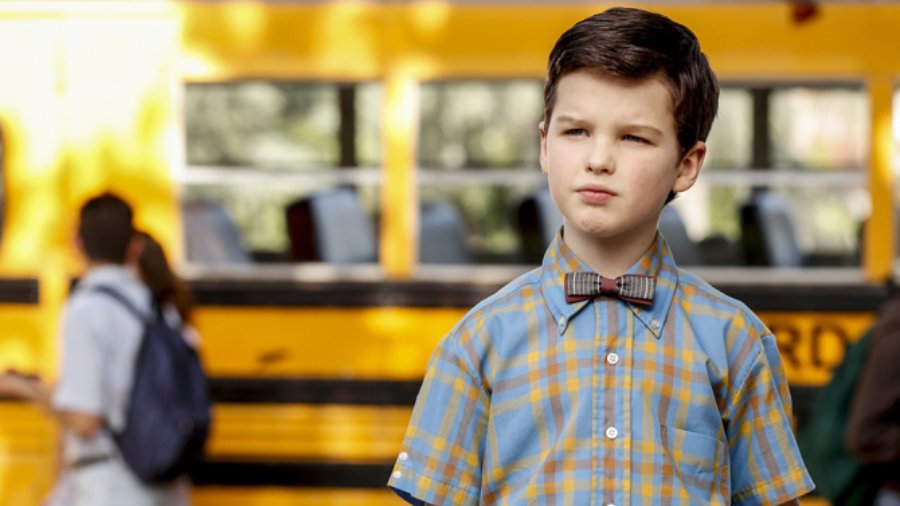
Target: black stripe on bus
{"x":314,"y":391}
{"x":221,"y":472}
{"x":820,"y":299}
{"x":340,"y":294}
{"x":19,"y":291}
{"x":828,"y":298}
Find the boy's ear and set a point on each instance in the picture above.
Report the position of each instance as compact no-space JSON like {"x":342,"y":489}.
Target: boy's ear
{"x":689,"y":167}
{"x":543,"y":132}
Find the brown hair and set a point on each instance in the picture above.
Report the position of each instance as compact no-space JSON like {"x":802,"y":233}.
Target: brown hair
{"x":164,"y":284}
{"x":634,"y":43}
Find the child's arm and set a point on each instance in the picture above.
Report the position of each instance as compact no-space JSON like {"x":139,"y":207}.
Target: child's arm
{"x":31,"y":389}
{"x":19,"y":386}
{"x":440,"y":461}
{"x":765,"y":461}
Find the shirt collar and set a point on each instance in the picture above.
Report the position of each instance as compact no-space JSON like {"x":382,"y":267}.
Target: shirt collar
{"x":657,"y":261}
{"x":110,"y":274}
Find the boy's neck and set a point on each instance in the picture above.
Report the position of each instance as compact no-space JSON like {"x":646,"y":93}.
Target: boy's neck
{"x":609,"y":257}
{"x":96,"y":264}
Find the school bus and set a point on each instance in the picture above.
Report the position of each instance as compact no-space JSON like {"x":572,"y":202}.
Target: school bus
{"x":237,"y":128}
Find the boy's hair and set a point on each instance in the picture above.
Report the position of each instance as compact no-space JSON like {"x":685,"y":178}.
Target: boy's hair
{"x":105,"y":228}
{"x":637,"y":44}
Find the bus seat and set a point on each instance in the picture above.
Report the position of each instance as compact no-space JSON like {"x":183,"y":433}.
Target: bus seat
{"x":331,"y":226}
{"x":538,"y":222}
{"x":210,"y":234}
{"x":671,"y":226}
{"x":442,"y":235}
{"x":768,"y":233}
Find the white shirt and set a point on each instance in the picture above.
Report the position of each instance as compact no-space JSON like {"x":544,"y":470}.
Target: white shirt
{"x":100,"y":340}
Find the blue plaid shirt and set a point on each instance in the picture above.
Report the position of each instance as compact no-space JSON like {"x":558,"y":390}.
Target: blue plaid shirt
{"x":532,"y":400}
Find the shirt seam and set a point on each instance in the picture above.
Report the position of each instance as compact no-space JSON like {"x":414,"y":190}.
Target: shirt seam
{"x":752,"y":491}
{"x":471,"y":492}
{"x":469,"y":369}
{"x":740,"y":385}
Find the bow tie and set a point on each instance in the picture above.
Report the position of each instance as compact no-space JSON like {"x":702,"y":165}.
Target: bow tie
{"x":634,"y":288}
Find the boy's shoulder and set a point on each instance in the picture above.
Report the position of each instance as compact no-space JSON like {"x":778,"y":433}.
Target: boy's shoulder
{"x":697,"y":293}
{"x":513,"y":292}
{"x":512,"y":296}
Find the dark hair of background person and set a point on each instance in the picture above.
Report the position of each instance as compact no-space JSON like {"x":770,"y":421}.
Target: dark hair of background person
{"x":637,"y":44}
{"x":105,"y":228}
{"x":164,"y":284}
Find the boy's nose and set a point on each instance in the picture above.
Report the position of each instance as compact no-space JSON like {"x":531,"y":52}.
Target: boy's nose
{"x":600,"y":158}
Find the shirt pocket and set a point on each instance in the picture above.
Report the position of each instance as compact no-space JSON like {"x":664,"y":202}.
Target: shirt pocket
{"x":694,"y":459}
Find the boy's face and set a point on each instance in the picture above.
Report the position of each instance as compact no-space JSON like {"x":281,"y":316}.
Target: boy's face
{"x":611,"y":155}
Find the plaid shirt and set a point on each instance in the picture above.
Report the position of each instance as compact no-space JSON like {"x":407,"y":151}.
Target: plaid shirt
{"x":531,"y":400}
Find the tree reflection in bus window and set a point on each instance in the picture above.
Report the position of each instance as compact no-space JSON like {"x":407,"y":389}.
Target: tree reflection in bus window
{"x":812,"y":152}
{"x":265,"y":129}
{"x":478,"y":150}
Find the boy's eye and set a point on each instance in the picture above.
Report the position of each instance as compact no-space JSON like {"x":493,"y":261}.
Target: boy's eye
{"x":575,"y":131}
{"x":635,"y":138}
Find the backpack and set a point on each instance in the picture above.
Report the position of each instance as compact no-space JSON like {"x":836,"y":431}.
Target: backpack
{"x":838,"y":475}
{"x":169,"y":409}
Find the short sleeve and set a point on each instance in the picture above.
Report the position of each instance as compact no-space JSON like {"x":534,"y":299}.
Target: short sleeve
{"x":79,"y":387}
{"x":440,"y":461}
{"x":766,"y":466}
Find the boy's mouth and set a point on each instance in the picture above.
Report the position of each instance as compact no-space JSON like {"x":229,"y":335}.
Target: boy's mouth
{"x":592,"y":194}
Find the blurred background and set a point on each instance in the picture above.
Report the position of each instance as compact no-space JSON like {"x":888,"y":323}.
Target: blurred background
{"x":339,"y":181}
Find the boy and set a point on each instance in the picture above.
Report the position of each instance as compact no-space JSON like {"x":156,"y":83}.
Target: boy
{"x":659,"y":391}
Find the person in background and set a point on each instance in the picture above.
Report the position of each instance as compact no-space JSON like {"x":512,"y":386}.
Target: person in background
{"x":100,"y":340}
{"x":873,"y":429}
{"x":170,"y":293}
{"x":608,"y":375}
{"x":168,"y":289}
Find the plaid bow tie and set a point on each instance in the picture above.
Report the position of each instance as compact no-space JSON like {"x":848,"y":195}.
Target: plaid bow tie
{"x":634,"y":288}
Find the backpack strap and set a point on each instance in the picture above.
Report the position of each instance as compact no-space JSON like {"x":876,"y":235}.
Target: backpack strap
{"x":122,"y":300}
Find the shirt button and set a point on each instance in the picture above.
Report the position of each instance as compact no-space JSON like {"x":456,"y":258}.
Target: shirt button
{"x":612,"y":358}
{"x":562,"y":321}
{"x":612,"y":432}
{"x":403,"y":456}
{"x":397,"y":475}
{"x":655,"y":324}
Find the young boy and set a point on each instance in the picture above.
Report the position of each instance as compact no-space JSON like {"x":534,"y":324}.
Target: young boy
{"x":659,"y":391}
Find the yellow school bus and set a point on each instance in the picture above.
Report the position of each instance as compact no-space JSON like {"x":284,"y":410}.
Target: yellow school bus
{"x":238,"y":128}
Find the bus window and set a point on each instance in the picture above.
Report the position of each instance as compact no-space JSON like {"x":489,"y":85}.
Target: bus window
{"x":478,"y":153}
{"x":783,"y":184}
{"x":256,"y":148}
{"x":784,"y":181}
